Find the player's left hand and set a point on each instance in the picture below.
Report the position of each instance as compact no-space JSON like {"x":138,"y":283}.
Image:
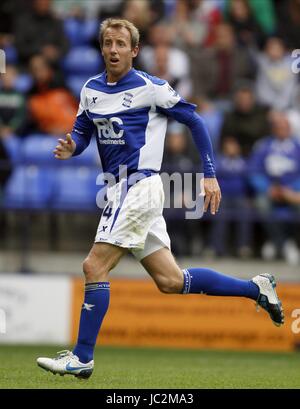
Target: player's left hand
{"x":212,"y":193}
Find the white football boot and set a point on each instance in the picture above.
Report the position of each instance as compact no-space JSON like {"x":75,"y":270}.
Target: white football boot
{"x":67,"y":363}
{"x":268,"y":299}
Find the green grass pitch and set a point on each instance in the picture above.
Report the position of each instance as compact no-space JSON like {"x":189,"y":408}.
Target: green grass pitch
{"x":124,"y":368}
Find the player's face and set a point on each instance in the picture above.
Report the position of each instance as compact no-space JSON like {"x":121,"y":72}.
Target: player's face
{"x":117,"y":52}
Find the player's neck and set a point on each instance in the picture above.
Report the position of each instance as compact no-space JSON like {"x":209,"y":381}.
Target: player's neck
{"x":111,"y":78}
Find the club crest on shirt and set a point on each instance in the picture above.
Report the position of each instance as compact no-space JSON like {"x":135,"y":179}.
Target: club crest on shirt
{"x":127,"y":100}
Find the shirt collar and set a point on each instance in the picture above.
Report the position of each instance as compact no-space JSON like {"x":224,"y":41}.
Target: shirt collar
{"x":121,"y":80}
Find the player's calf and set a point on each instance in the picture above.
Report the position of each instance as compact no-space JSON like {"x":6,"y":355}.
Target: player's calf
{"x":169,"y":285}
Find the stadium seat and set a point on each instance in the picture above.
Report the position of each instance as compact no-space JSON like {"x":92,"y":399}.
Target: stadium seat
{"x":75,"y":84}
{"x":38,"y":149}
{"x":80,"y":32}
{"x":23,"y":83}
{"x":11,"y":54}
{"x":83,"y":60}
{"x":29,"y":187}
{"x":283,"y":213}
{"x":13,"y":146}
{"x":76,"y":189}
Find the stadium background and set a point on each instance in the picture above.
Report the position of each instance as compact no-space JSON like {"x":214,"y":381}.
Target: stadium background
{"x":233,"y":59}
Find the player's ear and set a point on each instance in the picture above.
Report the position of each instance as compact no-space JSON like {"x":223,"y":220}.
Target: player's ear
{"x":135,"y":51}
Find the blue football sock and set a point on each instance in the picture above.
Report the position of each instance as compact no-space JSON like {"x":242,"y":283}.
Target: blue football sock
{"x":95,"y":305}
{"x":205,"y":281}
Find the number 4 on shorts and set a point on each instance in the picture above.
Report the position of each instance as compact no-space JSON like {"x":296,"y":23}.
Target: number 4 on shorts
{"x":107,"y":212}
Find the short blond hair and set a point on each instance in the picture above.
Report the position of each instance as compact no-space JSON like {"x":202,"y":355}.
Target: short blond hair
{"x":119,"y":23}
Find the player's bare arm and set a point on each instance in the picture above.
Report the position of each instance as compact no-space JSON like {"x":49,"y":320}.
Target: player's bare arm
{"x":65,"y":148}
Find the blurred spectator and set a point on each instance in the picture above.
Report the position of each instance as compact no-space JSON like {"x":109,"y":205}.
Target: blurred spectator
{"x":245,"y":26}
{"x":231,"y":171}
{"x":5,"y":172}
{"x":5,"y":167}
{"x":213,"y":118}
{"x":219,"y":68}
{"x":163,"y":69}
{"x":288,"y":16}
{"x":170,"y":8}
{"x":6,"y":16}
{"x":38,"y":31}
{"x":289,"y":195}
{"x":158,"y":10}
{"x":293,"y":116}
{"x":108,"y":8}
{"x":139,"y":13}
{"x":89,"y":8}
{"x":52,"y":107}
{"x":194,"y":23}
{"x":178,"y":159}
{"x":248,"y":121}
{"x":79,"y":29}
{"x":12,"y":104}
{"x":143,"y":13}
{"x":275,"y":171}
{"x":263,"y":13}
{"x":178,"y":149}
{"x":276,"y":84}
{"x":170,"y":63}
{"x":8,"y":11}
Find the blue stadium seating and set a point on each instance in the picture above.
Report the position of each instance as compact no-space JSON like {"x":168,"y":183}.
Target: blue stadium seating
{"x":83,"y":60}
{"x":80,"y":32}
{"x":283,"y":213}
{"x":39,"y":180}
{"x":75,"y":189}
{"x":29,"y":187}
{"x":11,"y":54}
{"x":75,"y":83}
{"x":13,"y":146}
{"x":38,"y":149}
{"x":23,"y":83}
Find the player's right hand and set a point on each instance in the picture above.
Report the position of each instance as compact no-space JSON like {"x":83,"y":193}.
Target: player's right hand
{"x":65,"y":148}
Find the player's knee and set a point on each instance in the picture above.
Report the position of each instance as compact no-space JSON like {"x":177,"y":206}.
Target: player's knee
{"x":169,"y":285}
{"x":94,"y":272}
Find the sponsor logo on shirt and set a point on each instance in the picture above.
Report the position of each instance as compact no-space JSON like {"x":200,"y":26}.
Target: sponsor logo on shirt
{"x":110,"y":131}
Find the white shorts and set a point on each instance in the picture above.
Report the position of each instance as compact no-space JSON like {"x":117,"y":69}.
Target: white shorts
{"x":133,"y":217}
